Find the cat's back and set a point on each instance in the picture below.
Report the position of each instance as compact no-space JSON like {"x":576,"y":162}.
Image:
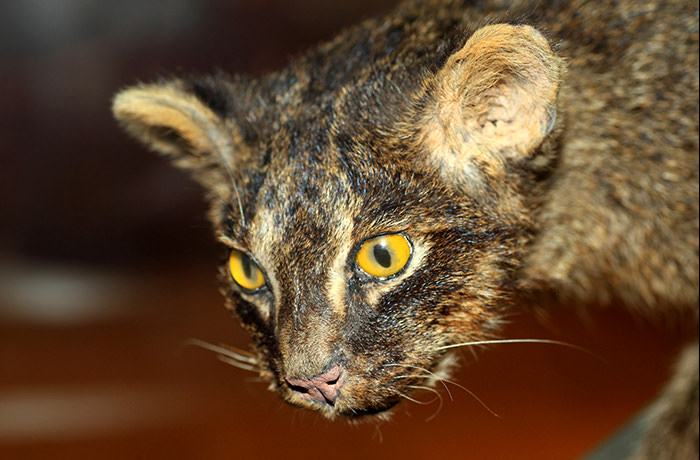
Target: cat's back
{"x":621,"y":217}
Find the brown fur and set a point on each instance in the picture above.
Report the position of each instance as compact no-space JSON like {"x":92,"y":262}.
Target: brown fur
{"x":551,"y":148}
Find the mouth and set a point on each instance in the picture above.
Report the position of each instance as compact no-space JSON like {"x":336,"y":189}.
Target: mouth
{"x":344,"y":408}
{"x":339,"y":393}
{"x":373,"y":413}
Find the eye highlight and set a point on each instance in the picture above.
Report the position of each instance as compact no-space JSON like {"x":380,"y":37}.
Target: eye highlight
{"x":384,"y":255}
{"x":244,"y":271}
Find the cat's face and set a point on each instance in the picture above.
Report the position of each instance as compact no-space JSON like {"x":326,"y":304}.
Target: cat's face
{"x":361,"y":275}
{"x":374,"y":220}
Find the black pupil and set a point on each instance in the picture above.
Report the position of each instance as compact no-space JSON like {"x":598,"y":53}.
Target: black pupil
{"x":382,"y":255}
{"x":247,"y":266}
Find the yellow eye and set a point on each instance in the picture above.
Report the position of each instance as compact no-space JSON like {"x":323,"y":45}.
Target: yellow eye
{"x":244,"y":271}
{"x":384,"y":255}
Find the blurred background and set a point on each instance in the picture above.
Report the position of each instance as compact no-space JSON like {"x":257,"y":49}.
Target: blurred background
{"x":107,"y":267}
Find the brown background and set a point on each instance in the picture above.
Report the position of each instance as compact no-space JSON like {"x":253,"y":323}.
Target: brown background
{"x":107,"y":267}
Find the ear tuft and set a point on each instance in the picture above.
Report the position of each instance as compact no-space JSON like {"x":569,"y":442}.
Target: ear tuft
{"x":168,"y":119}
{"x":176,"y":122}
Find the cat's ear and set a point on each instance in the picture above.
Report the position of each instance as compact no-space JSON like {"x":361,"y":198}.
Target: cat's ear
{"x":173,"y":119}
{"x":493,"y":101}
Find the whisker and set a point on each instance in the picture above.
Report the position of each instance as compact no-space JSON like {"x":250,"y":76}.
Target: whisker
{"x":411,"y":376}
{"x":437,"y":395}
{"x":503,"y":341}
{"x":422,"y":403}
{"x":444,"y":383}
{"x":473,"y":395}
{"x":237,"y":364}
{"x":238,"y":355}
{"x":378,"y":433}
{"x":238,"y":198}
{"x":423,"y":387}
{"x":428,"y":374}
{"x":229,"y":171}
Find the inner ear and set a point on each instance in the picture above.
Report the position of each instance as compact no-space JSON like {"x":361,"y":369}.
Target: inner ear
{"x":510,"y":118}
{"x":171,"y":138}
{"x":494,"y":99}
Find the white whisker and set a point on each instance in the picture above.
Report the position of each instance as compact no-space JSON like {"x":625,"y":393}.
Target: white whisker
{"x":229,"y":171}
{"x":479,"y":400}
{"x":422,"y":403}
{"x":437,"y":395}
{"x":378,"y":433}
{"x":503,"y":341}
{"x":238,"y":198}
{"x":237,"y":364}
{"x":444,"y":383}
{"x":237,"y":355}
{"x":428,"y":375}
{"x":411,"y":376}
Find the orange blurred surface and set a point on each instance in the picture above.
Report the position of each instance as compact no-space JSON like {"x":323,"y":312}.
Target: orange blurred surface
{"x":115,"y":382}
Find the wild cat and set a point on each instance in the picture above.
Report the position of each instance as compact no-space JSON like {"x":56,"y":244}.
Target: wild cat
{"x":394,"y":192}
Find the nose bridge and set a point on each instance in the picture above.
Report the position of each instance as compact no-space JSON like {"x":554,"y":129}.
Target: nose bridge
{"x":307,"y":323}
{"x":302,"y":295}
{"x":313,"y":369}
{"x":305,"y":267}
{"x":306,"y":327}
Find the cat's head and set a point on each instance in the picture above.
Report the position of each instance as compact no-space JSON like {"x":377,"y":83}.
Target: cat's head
{"x":374,"y":213}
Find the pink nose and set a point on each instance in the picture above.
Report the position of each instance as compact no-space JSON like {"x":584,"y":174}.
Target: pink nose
{"x":321,"y":389}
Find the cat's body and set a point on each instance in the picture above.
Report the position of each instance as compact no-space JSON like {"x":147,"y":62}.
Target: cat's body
{"x":395,"y":191}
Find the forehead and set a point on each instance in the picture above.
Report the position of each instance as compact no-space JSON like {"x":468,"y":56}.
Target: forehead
{"x":300,"y":201}
{"x":317,"y":204}
{"x":313,"y":179}
{"x":303,"y":194}
{"x":303,"y":173}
